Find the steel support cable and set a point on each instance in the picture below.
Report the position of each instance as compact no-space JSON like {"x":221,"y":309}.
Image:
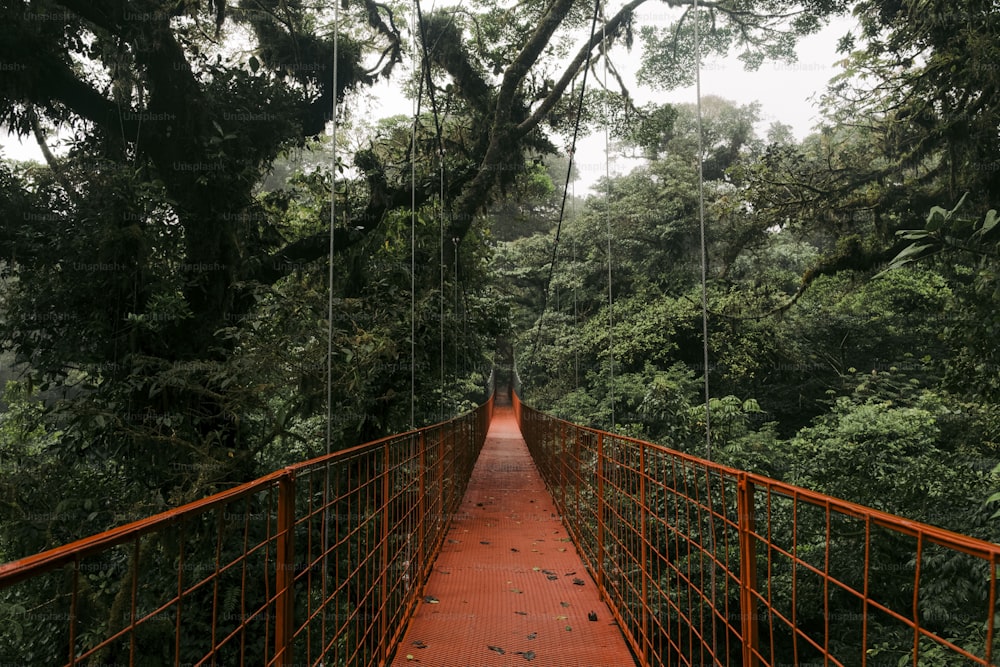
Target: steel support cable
{"x":413,"y":225}
{"x":333,"y":224}
{"x":569,"y":174}
{"x":576,"y":314}
{"x":426,"y":78}
{"x":607,"y":221}
{"x":701,"y":224}
{"x":704,"y":330}
{"x":329,"y":311}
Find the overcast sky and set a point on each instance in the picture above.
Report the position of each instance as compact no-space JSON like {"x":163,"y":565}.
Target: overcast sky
{"x":783,"y":89}
{"x":788,"y":93}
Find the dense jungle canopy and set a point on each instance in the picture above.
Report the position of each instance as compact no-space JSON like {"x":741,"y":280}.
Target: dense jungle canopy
{"x":164,"y":278}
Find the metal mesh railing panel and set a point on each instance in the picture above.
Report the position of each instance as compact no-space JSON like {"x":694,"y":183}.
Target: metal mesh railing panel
{"x":704,"y":564}
{"x":316,"y":564}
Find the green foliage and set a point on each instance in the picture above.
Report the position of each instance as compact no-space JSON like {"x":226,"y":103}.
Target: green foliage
{"x":166,"y":283}
{"x":963,"y":247}
{"x":32,"y":517}
{"x":23,"y":431}
{"x":654,"y":129}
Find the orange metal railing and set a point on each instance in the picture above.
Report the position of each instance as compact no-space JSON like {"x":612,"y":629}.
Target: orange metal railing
{"x":317,"y":564}
{"x":704,"y":564}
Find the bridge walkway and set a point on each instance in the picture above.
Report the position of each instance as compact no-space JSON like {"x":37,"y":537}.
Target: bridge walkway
{"x":509,"y":587}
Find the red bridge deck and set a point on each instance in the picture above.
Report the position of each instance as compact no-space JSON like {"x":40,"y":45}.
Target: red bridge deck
{"x":509,"y":587}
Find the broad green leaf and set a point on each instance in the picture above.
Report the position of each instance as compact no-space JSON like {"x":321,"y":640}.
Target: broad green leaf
{"x":907,"y":255}
{"x":990,"y":222}
{"x":936,"y":219}
{"x":957,"y":206}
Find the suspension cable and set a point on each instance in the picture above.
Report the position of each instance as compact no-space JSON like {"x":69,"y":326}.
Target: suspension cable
{"x":329,"y":304}
{"x":441,"y":269}
{"x":607,"y":221}
{"x":426,"y":75}
{"x":704,"y":245}
{"x":711,"y":540}
{"x":413,"y":227}
{"x":569,"y":175}
{"x":333,"y":227}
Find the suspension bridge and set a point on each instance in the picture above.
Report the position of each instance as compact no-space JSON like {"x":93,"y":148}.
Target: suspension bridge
{"x":502,"y":537}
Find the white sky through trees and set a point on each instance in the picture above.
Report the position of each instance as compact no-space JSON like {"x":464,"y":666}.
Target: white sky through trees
{"x":787,"y":92}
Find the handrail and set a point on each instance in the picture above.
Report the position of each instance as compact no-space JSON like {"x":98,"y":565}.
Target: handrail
{"x":321,"y":562}
{"x":706,"y":564}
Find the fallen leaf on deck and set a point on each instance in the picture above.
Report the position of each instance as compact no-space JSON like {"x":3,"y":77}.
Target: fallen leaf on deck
{"x":528,"y":655}
{"x":532,"y":635}
{"x":565,"y":604}
{"x":592,"y":616}
{"x":522,"y":613}
{"x":430,"y":599}
{"x":497,"y":649}
{"x":577,"y":581}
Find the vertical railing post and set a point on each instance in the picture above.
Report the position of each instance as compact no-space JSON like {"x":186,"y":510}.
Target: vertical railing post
{"x":284,"y":604}
{"x":452,"y":448}
{"x":422,"y":527}
{"x":469,"y":445}
{"x":748,"y":570}
{"x":599,"y":471}
{"x":578,"y":469}
{"x":384,"y":570}
{"x":442,"y":433}
{"x":562,"y":469}
{"x":644,"y":552}
{"x":462,"y":450}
